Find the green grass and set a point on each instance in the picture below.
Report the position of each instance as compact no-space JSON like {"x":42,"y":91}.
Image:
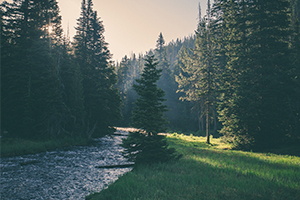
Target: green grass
{"x":210,"y":172}
{"x":17,"y":147}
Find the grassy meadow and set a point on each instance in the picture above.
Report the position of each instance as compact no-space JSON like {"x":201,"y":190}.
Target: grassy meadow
{"x":209,"y":172}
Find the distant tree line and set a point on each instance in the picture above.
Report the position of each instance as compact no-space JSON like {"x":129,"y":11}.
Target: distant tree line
{"x":51,"y":87}
{"x":180,"y":116}
{"x":238,"y":74}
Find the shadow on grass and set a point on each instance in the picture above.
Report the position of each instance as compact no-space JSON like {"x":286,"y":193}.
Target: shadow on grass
{"x":282,"y":170}
{"x":292,"y":150}
{"x":208,"y":173}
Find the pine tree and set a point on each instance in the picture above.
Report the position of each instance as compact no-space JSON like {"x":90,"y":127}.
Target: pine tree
{"x":148,"y":114}
{"x":198,"y":77}
{"x":167,"y":81}
{"x":146,"y":146}
{"x":101,"y":99}
{"x":255,"y":85}
{"x":72,"y":91}
{"x":295,"y":71}
{"x":160,"y":47}
{"x":207,"y":82}
{"x":31,"y":95}
{"x":191,"y":112}
{"x":124,"y":75}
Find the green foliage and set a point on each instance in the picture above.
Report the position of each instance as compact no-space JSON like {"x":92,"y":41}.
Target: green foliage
{"x":179,"y":115}
{"x":256,"y":80}
{"x":198,"y":75}
{"x":149,"y":110}
{"x":46,"y":91}
{"x":167,"y":83}
{"x":101,"y":99}
{"x":209,"y":172}
{"x":141,"y":147}
{"x":146,"y":146}
{"x":31,"y":96}
{"x":160,"y":48}
{"x":295,"y":61}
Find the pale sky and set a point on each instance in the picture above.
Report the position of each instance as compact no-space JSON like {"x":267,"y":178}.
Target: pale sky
{"x":133,"y":26}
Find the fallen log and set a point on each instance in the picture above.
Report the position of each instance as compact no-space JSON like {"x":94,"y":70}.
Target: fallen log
{"x":115,"y":166}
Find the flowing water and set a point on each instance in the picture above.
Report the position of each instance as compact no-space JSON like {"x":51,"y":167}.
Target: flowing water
{"x":68,"y":173}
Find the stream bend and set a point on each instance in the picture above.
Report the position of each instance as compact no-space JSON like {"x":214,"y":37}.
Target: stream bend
{"x":67,"y":173}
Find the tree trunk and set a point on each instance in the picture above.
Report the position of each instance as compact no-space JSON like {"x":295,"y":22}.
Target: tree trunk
{"x":215,"y":119}
{"x":207,"y":124}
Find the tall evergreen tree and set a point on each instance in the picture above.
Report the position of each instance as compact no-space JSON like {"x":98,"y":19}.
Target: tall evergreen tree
{"x":160,"y":47}
{"x":148,"y":114}
{"x":295,"y":71}
{"x":256,"y":84}
{"x":146,"y":146}
{"x":72,"y":91}
{"x":198,"y":77}
{"x":31,"y":98}
{"x":204,"y":50}
{"x":167,"y":82}
{"x":191,"y":110}
{"x":101,"y":99}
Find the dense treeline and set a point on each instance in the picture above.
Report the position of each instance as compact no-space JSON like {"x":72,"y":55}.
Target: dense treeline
{"x":50,"y":87}
{"x":181,"y":116}
{"x":259,"y":87}
{"x":239,"y":74}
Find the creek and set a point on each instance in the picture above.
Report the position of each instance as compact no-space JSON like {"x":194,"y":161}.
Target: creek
{"x":66,"y":173}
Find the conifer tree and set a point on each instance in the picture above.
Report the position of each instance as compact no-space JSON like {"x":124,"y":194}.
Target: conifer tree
{"x":160,"y":47}
{"x":101,"y":99}
{"x":72,"y":91}
{"x":31,"y":96}
{"x":255,"y":85}
{"x":146,"y":146}
{"x":198,"y":74}
{"x":167,"y":81}
{"x":148,"y":114}
{"x":295,"y":71}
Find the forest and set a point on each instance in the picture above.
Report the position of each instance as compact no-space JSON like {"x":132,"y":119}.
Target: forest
{"x":237,"y":77}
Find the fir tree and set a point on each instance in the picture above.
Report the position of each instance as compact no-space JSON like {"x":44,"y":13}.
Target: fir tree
{"x":167,"y":81}
{"x":295,"y":71}
{"x":160,"y":47}
{"x":146,"y":146}
{"x":148,"y":114}
{"x":31,"y":90}
{"x":198,"y":73}
{"x":256,"y":85}
{"x":101,"y":99}
{"x":72,"y":91}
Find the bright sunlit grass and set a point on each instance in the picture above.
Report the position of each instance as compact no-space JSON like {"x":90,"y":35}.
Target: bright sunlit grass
{"x":210,"y":172}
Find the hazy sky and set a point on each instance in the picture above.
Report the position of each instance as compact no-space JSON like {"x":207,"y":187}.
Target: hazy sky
{"x":133,"y":26}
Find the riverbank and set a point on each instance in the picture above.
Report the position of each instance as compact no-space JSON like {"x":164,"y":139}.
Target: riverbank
{"x":18,"y":147}
{"x":64,"y":173}
{"x":210,"y":172}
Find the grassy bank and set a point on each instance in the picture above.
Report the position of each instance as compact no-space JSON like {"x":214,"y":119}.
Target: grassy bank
{"x":17,"y":147}
{"x":210,"y":172}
